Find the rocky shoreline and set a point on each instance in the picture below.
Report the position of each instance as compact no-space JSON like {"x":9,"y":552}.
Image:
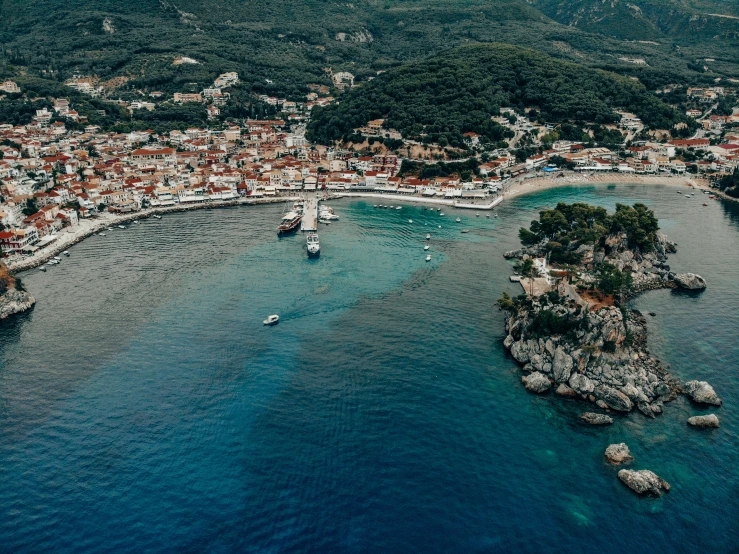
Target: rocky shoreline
{"x":14,"y":302}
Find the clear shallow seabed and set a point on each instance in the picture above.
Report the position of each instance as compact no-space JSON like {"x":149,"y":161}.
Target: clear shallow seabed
{"x":144,"y":407}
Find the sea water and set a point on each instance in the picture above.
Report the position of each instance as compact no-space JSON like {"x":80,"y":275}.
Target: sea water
{"x":144,"y":406}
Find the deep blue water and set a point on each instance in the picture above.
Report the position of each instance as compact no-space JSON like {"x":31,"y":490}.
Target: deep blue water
{"x":144,"y":407}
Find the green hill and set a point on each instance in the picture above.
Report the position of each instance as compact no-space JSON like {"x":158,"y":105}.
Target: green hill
{"x":291,"y":42}
{"x":458,"y":91}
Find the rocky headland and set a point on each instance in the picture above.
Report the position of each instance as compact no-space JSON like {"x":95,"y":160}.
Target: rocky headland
{"x":13,"y":298}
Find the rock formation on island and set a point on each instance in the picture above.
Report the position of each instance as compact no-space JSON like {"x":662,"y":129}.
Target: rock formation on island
{"x":572,"y":330}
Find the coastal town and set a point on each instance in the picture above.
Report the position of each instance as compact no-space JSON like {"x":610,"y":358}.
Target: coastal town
{"x":54,"y":178}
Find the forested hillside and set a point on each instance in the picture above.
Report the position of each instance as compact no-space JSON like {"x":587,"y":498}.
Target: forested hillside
{"x":457,"y":92}
{"x":278,"y":46}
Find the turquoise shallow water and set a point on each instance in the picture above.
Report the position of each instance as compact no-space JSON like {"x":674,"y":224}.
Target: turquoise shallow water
{"x":143,"y":407}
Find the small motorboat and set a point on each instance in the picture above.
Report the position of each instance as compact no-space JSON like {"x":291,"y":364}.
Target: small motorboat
{"x":477,"y":215}
{"x":705,"y":204}
{"x":375,"y":205}
{"x":438,"y":209}
{"x":121,"y":226}
{"x":428,"y":236}
{"x":439,"y":226}
{"x":399,"y":208}
{"x":135,"y":220}
{"x":487,"y":216}
{"x":679,"y":192}
{"x":426,"y":247}
{"x":272,"y":320}
{"x":410,"y":221}
{"x":57,"y":259}
{"x":687,"y":196}
{"x":42,"y":268}
{"x":66,"y":253}
{"x":442,"y":213}
{"x":391,"y":207}
{"x":157,"y":217}
{"x":110,"y":229}
{"x":458,"y":220}
{"x":101,"y":234}
{"x":428,"y":258}
{"x":465,"y":230}
{"x":496,"y":215}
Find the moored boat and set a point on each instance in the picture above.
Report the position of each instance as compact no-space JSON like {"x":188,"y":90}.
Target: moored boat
{"x":313,"y":246}
{"x":290,"y":222}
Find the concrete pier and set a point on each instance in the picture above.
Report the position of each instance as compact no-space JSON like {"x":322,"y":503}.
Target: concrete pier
{"x":310,"y":215}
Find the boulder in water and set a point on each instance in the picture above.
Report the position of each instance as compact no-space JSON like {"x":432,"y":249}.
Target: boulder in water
{"x":615,"y":399}
{"x":690,"y":281}
{"x":536,"y":382}
{"x":643,"y":481}
{"x":702,"y":392}
{"x":618,"y":454}
{"x":710,"y":420}
{"x":564,"y":390}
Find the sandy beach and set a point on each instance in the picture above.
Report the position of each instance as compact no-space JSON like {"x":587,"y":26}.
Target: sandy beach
{"x":539,"y":184}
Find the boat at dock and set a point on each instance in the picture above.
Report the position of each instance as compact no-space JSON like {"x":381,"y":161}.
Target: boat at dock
{"x":313,"y":245}
{"x":272,"y":320}
{"x":290,"y":222}
{"x":121,"y":226}
{"x":66,"y":253}
{"x":327,"y":214}
{"x":157,"y":216}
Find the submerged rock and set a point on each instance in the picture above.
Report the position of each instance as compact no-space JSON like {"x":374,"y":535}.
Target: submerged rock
{"x":690,"y":281}
{"x":710,"y":420}
{"x":643,"y":481}
{"x":618,"y":454}
{"x":536,"y":382}
{"x":702,"y":392}
{"x":596,"y":419}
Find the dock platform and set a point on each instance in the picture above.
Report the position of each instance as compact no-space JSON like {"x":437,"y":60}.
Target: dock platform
{"x":310,"y":215}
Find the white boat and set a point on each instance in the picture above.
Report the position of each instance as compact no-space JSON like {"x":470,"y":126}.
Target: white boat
{"x":410,"y":221}
{"x":272,"y":320}
{"x":391,"y":207}
{"x":110,"y":229}
{"x":56,"y":259}
{"x":496,"y":215}
{"x":121,"y":226}
{"x":313,"y":246}
{"x":442,"y":213}
{"x":438,"y":209}
{"x":158,"y":217}
{"x":399,"y":208}
{"x":52,"y":262}
{"x":459,"y":220}
{"x":687,"y":196}
{"x":428,"y":236}
{"x":101,"y":234}
{"x":42,"y":268}
{"x":428,"y":258}
{"x":487,"y":216}
{"x":439,"y":226}
{"x":465,"y":230}
{"x":477,"y":215}
{"x":426,"y":247}
{"x":66,"y":253}
{"x":328,"y":216}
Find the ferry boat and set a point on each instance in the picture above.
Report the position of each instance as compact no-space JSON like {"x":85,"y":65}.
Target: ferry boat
{"x":290,"y":222}
{"x":314,"y":248}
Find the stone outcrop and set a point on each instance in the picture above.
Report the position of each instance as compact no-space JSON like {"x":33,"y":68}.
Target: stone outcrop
{"x":617,"y":454}
{"x":710,"y":420}
{"x":689,"y":281}
{"x":596,"y":419}
{"x":604,"y":360}
{"x":643,"y":481}
{"x":536,"y":382}
{"x":14,"y":302}
{"x":702,"y":392}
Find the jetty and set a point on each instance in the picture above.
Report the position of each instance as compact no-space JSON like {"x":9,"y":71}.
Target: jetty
{"x":309,"y":224}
